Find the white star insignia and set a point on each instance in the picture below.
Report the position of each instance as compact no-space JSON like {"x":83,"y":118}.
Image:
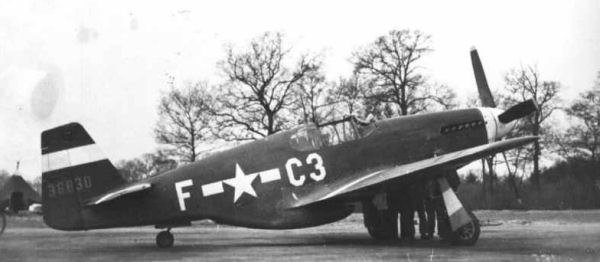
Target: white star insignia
{"x":242,"y":183}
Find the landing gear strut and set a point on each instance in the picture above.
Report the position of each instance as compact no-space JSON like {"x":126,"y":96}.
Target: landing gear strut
{"x":165,"y":239}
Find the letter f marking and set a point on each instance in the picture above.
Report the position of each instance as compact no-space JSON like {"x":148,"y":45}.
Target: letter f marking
{"x":181,"y":196}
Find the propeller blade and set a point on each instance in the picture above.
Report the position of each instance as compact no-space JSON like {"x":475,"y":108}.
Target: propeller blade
{"x":517,"y":111}
{"x":485,"y":95}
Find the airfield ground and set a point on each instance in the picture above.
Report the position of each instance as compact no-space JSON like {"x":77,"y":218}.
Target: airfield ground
{"x":522,"y":236}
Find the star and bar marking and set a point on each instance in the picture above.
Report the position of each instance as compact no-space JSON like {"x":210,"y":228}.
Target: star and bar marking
{"x":242,"y":182}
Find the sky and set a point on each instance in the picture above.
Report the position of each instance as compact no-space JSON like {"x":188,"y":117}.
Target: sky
{"x":105,"y":64}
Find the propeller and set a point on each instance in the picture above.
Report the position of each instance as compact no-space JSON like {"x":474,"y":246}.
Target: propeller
{"x":518,"y":111}
{"x":498,"y":123}
{"x":490,"y":112}
{"x":502,"y":121}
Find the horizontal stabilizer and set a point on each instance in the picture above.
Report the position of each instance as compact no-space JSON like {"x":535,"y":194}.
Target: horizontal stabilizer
{"x":119,"y":192}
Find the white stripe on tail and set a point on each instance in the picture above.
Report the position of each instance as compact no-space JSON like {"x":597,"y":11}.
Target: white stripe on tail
{"x":72,"y":157}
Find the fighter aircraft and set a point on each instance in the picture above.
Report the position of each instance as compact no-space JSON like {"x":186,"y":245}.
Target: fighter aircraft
{"x":307,"y":176}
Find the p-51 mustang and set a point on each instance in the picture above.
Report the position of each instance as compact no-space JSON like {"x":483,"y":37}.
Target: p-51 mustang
{"x":308,"y":176}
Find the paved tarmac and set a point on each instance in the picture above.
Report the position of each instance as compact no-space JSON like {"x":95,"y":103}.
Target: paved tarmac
{"x":522,"y":236}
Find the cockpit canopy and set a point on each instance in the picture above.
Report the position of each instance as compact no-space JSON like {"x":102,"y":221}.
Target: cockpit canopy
{"x":310,"y":137}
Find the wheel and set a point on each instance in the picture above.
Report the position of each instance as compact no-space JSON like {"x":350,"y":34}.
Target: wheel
{"x":2,"y":222}
{"x":385,"y":226}
{"x":468,"y":234}
{"x":381,"y":224}
{"x":164,"y":239}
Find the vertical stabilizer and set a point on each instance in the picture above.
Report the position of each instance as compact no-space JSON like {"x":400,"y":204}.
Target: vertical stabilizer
{"x":73,"y":169}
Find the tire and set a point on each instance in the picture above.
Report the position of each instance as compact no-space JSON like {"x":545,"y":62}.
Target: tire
{"x":164,"y":239}
{"x":468,"y":234}
{"x":381,"y":224}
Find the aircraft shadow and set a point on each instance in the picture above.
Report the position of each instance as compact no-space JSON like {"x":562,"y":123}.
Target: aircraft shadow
{"x":332,"y":240}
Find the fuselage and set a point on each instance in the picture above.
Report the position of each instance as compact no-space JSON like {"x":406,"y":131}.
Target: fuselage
{"x":251,"y":184}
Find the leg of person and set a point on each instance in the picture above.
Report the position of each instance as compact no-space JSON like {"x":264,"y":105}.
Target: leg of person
{"x":407,"y":227}
{"x":422,"y":220}
{"x":443,"y":222}
{"x":430,"y":212}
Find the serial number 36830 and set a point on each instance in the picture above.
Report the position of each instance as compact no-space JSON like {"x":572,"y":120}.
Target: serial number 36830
{"x":69,"y":186}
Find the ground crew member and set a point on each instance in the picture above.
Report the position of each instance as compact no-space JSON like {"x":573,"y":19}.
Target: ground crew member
{"x":430,"y":207}
{"x":407,"y":214}
{"x":418,"y":198}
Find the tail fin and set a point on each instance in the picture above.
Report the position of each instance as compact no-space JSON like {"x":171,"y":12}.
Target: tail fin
{"x":73,"y":169}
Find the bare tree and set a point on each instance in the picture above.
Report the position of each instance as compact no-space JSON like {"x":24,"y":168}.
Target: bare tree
{"x":350,"y":94}
{"x":435,"y":96}
{"x":391,"y":63}
{"x":132,"y":169}
{"x":147,"y":165}
{"x":525,"y":83}
{"x":583,"y":138}
{"x":314,"y":98}
{"x":184,"y":116}
{"x":516,"y":160}
{"x":257,"y":95}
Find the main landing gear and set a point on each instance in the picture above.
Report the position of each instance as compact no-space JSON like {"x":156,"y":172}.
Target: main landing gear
{"x":381,"y":224}
{"x":456,"y":224}
{"x":468,"y":234}
{"x":165,"y":239}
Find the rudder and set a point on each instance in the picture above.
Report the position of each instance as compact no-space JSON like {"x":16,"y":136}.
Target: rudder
{"x":73,"y":169}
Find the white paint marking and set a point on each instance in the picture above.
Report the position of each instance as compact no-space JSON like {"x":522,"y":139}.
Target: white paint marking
{"x":124,"y":191}
{"x":289,"y":165}
{"x":242,"y":183}
{"x":212,"y":189}
{"x":349,"y":185}
{"x":72,"y":157}
{"x":318,"y":161}
{"x":269,"y":175}
{"x":181,"y":196}
{"x":453,"y":205}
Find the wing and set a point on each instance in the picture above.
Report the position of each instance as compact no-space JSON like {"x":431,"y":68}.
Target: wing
{"x":119,"y":192}
{"x":360,"y":181}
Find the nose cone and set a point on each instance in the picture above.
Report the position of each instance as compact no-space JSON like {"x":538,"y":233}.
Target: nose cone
{"x":495,"y":129}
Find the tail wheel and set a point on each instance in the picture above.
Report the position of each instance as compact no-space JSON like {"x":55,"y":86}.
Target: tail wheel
{"x":165,"y":239}
{"x":468,"y":234}
{"x":2,"y":222}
